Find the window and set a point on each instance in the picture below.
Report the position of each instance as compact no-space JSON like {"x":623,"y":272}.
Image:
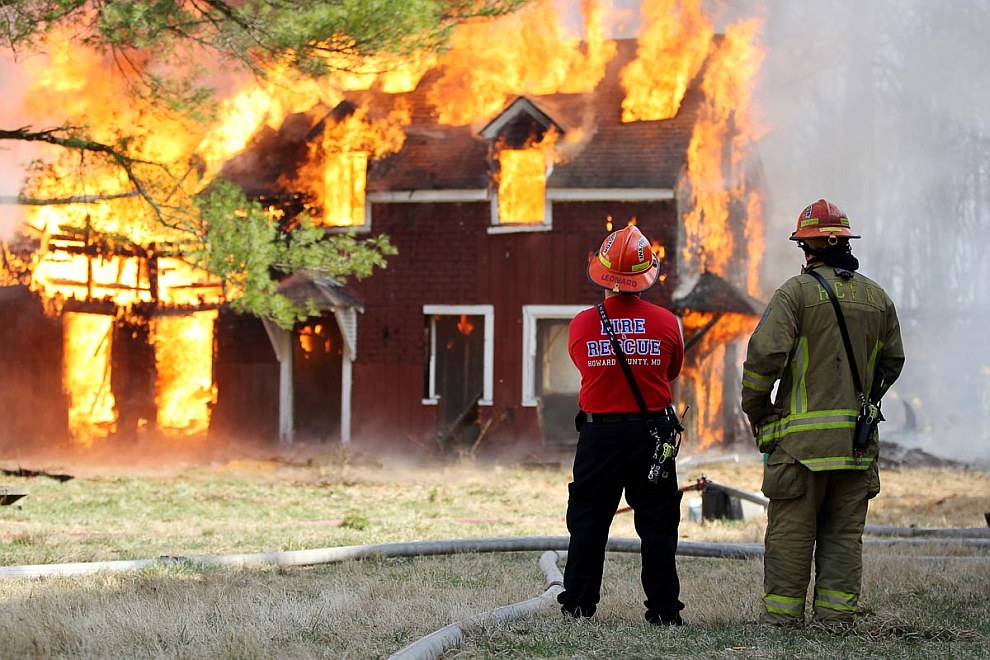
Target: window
{"x":522,"y":187}
{"x":551,"y":382}
{"x":523,"y":139}
{"x":459,"y":356}
{"x":344,"y":178}
{"x":547,"y":367}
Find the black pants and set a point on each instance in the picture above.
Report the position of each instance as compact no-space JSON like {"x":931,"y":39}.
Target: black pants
{"x":610,"y":458}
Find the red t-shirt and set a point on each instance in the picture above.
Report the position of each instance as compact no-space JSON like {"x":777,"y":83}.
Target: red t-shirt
{"x":652,"y":342}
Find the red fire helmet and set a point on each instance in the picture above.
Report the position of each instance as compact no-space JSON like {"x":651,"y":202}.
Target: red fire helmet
{"x":822,"y":220}
{"x":625,"y":263}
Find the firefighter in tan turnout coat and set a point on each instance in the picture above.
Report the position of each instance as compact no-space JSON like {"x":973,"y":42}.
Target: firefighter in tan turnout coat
{"x":818,"y":485}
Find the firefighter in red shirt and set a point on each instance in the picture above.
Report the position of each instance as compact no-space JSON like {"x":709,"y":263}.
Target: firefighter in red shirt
{"x":615,"y":450}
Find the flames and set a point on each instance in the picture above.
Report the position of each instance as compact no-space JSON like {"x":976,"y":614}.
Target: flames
{"x":491,"y":62}
{"x":671,"y":52}
{"x":464,"y":325}
{"x":522,"y":180}
{"x":86,"y":374}
{"x":184,"y":388}
{"x":723,"y":224}
{"x":717,"y":159}
{"x":488,"y":64}
{"x":335,"y":173}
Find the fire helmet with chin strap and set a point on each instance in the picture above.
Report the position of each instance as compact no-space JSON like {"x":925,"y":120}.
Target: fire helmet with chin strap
{"x":625,"y":263}
{"x":822,"y":219}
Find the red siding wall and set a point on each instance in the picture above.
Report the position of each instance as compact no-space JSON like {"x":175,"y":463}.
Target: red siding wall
{"x":447,"y":257}
{"x":33,"y":405}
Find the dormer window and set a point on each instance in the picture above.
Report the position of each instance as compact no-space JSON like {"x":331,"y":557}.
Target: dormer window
{"x":523,"y":139}
{"x":335,"y":175}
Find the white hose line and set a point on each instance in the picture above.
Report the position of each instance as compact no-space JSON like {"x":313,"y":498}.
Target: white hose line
{"x":345,"y":553}
{"x":408,"y":549}
{"x":756,"y":498}
{"x":947,"y":540}
{"x":951,"y":532}
{"x":433,"y":645}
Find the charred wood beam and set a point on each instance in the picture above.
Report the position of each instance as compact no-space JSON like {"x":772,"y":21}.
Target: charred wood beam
{"x":198,"y":285}
{"x":106,"y":307}
{"x":80,"y":244}
{"x":144,"y":310}
{"x":183,"y":310}
{"x":448,"y":436}
{"x":701,"y":332}
{"x":71,"y":245}
{"x":22,"y":472}
{"x":100,"y":285}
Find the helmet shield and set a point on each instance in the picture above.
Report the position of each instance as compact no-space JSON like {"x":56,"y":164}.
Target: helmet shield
{"x":625,"y":263}
{"x":822,"y":219}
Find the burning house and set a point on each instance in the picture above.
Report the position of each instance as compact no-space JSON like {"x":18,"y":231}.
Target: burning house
{"x":495,"y":184}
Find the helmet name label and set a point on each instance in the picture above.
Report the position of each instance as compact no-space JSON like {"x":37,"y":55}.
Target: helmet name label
{"x":618,"y":279}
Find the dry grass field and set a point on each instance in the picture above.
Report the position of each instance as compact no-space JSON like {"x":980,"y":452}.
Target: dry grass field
{"x":140,"y":506}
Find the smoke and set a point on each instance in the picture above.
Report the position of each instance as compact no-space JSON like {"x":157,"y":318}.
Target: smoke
{"x":882,"y":108}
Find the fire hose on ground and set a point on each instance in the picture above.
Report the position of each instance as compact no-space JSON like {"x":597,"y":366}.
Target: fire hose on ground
{"x":553,"y":547}
{"x":434,"y":644}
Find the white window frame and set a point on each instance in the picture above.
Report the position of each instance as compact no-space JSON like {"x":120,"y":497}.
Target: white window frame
{"x":355,"y":229}
{"x":488,"y":312}
{"x":496,"y":226}
{"x":532,"y":314}
{"x":515,"y":228}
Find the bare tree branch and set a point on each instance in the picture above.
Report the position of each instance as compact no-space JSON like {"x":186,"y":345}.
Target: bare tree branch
{"x":20,"y":200}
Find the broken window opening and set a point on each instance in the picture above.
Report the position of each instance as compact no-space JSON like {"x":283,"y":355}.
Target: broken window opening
{"x":344,"y":178}
{"x":522,"y":187}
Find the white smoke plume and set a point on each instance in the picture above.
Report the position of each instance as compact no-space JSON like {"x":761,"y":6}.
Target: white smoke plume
{"x":883,"y":108}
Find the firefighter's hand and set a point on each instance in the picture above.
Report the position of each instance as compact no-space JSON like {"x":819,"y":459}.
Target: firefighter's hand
{"x":755,"y":425}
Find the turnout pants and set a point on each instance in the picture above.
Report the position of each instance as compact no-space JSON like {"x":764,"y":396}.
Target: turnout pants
{"x":813,"y":514}
{"x":612,"y":457}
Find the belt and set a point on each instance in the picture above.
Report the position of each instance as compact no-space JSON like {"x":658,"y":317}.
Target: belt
{"x":609,"y":418}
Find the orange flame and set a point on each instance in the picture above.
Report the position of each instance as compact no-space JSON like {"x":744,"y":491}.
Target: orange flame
{"x":717,"y":151}
{"x":313,"y":338}
{"x":522,"y":181}
{"x":526,"y":53}
{"x":184,"y":388}
{"x":86,"y":375}
{"x":464,"y":326}
{"x":336,"y":171}
{"x":706,"y":374}
{"x":723,"y":211}
{"x":671,"y":52}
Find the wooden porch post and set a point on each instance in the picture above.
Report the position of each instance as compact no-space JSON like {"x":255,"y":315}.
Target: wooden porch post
{"x":282,"y":344}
